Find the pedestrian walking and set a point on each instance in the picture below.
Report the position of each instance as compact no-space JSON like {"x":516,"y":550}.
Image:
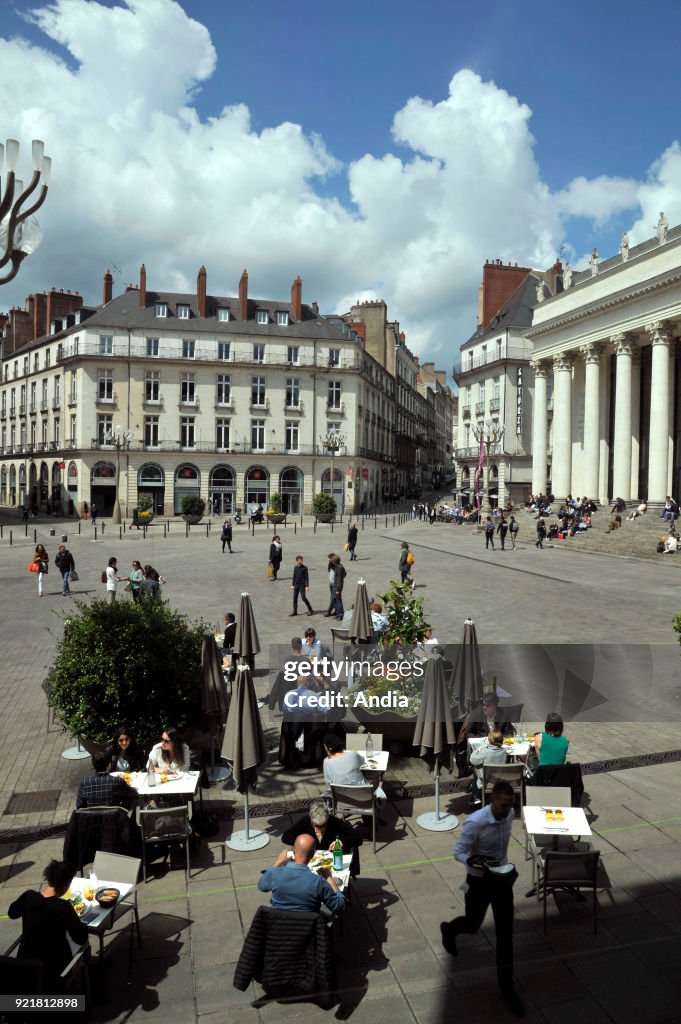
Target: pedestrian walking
{"x":136,"y":580}
{"x":489,"y":533}
{"x":502,"y":530}
{"x":300,"y":584}
{"x":41,"y":559}
{"x":432,"y":514}
{"x":226,"y":536}
{"x":541,"y":532}
{"x":331,"y":574}
{"x":353,"y":533}
{"x":93,"y":514}
{"x":483,"y":843}
{"x":405,"y":564}
{"x":112,"y":579}
{"x":86,"y":510}
{"x":513,"y":528}
{"x":24,"y":513}
{"x":276,"y":555}
{"x":66,"y":565}
{"x":339,"y":575}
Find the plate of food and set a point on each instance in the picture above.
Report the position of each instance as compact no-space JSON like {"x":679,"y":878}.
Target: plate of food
{"x":171,"y":776}
{"x":78,"y":904}
{"x":107,"y":895}
{"x":322,"y":859}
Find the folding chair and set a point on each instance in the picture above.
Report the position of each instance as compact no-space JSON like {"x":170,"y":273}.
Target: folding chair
{"x":569,"y":871}
{"x":355,"y":800}
{"x":512,"y":773}
{"x":165,"y":825}
{"x":114,"y":867}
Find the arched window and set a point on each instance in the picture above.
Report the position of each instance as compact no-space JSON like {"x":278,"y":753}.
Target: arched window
{"x":187,"y":481}
{"x":291,"y":485}
{"x":257,"y":489}
{"x":12,"y":485}
{"x":222,"y":490}
{"x":103,"y":474}
{"x":3,"y":485}
{"x":337,"y":491}
{"x":151,"y":481}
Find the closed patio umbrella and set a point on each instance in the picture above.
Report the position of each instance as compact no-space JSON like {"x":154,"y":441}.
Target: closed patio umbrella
{"x":467,"y":684}
{"x":246,"y":642}
{"x":360,"y":625}
{"x":244,"y":746}
{"x":434,"y":734}
{"x":214,"y":700}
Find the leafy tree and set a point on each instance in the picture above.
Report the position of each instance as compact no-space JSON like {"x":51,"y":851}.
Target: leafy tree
{"x":125,"y":662}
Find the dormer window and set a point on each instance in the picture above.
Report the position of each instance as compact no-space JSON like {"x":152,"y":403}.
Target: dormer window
{"x":282,"y":318}
{"x":182,"y":311}
{"x":161,"y":309}
{"x":261,"y":316}
{"x":223,"y":315}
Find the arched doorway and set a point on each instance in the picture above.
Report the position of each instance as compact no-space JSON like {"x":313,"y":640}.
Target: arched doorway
{"x":22,"y":485}
{"x":187,"y":481}
{"x":222,"y":490}
{"x":103,"y":487}
{"x":12,"y":485}
{"x":55,"y":491}
{"x":33,"y":487}
{"x":257,"y":489}
{"x":151,"y":481}
{"x":493,"y":486}
{"x":291,"y":481}
{"x":337,"y":487}
{"x":72,"y":486}
{"x":3,"y":485}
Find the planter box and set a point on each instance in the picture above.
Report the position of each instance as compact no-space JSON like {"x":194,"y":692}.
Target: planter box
{"x":275,"y":517}
{"x":192,"y":520}
{"x":325,"y":517}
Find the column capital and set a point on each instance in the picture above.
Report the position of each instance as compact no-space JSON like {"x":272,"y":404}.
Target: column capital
{"x":659,"y":333}
{"x":563,"y":361}
{"x":539,"y":366}
{"x":592,"y":352}
{"x":623,"y":344}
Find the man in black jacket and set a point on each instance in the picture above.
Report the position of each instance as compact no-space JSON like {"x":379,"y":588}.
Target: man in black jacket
{"x":487,"y":717}
{"x":300,"y":584}
{"x":66,"y":565}
{"x":339,"y":575}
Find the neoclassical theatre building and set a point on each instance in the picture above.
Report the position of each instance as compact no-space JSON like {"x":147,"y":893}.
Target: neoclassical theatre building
{"x":607,"y":376}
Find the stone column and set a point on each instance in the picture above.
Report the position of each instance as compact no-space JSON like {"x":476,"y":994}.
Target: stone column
{"x":591,"y":474}
{"x":561,"y":462}
{"x":623,"y":347}
{"x":539,"y":429}
{"x":658,"y":446}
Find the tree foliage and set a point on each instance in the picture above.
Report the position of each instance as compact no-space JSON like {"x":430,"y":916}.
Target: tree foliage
{"x":125,"y":662}
{"x":323,"y":504}
{"x":404,"y":613}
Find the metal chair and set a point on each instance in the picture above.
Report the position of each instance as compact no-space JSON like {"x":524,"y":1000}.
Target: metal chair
{"x":512,"y":773}
{"x":165,"y":825}
{"x":538,"y":796}
{"x":358,"y":740}
{"x":355,"y":800}
{"x":341,"y":636}
{"x":114,"y":867}
{"x":569,"y":871}
{"x":26,"y":976}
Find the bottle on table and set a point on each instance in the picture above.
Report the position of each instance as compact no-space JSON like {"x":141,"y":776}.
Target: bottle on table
{"x":369,"y":749}
{"x":337,"y":855}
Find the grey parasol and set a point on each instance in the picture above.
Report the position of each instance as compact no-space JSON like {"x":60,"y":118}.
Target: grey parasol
{"x":246,"y":642}
{"x":360,"y":625}
{"x":213,"y":699}
{"x":467,"y":684}
{"x":434,"y":734}
{"x":244,"y":745}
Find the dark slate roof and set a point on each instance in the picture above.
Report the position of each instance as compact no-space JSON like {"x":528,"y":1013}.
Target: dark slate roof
{"x":515,"y":312}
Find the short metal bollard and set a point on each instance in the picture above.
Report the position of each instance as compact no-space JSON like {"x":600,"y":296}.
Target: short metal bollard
{"x":52,"y":532}
{"x":64,"y":538}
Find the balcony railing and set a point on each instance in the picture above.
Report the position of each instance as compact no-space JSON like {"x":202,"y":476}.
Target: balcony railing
{"x":3,"y":413}
{"x":466,"y":365}
{"x":12,"y":410}
{"x":479,"y":408}
{"x":336,"y":409}
{"x":473,"y":452}
{"x":294,"y":407}
{"x":191,"y":404}
{"x":44,"y":405}
{"x":263,"y":406}
{"x":154,"y":403}
{"x":495,"y":405}
{"x":466,"y":412}
{"x":32,"y":408}
{"x":22,"y":408}
{"x":56,"y":402}
{"x":73,"y":398}
{"x":241,"y":448}
{"x":227,"y":404}
{"x":111,"y":399}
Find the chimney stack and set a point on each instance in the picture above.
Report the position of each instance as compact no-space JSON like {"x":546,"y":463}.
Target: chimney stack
{"x":108,"y":288}
{"x":297,"y":298}
{"x":201,"y":292}
{"x":243,"y":296}
{"x":143,"y":286}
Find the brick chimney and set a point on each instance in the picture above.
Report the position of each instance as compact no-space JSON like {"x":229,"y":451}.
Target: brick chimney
{"x":297,"y":298}
{"x":243,"y":296}
{"x":556,"y":273}
{"x":499,"y":281}
{"x":143,"y":286}
{"x":107,"y":291}
{"x":201,"y":291}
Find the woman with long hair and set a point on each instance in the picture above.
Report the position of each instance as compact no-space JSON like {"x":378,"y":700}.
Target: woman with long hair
{"x":171,"y":754}
{"x":41,"y":558}
{"x":126,"y":753}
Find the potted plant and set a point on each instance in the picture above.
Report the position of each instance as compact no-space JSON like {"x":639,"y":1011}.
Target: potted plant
{"x":125,"y":662}
{"x":193,"y":508}
{"x":274,"y":513}
{"x":145,"y":508}
{"x":324,"y":507}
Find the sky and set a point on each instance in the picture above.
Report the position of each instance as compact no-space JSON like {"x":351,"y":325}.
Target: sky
{"x":379,"y":149}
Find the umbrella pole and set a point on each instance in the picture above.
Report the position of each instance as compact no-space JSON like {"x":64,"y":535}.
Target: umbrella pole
{"x":221,"y":773}
{"x":246,"y":815}
{"x":247,"y":840}
{"x":434,"y":821}
{"x":437,"y":788}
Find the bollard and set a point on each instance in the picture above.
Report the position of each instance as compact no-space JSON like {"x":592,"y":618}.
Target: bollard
{"x":103,"y":524}
{"x":301,"y":522}
{"x":207,"y":531}
{"x":314,"y":528}
{"x":35,"y":536}
{"x":186,"y":529}
{"x":144,"y":531}
{"x":375,"y":523}
{"x":10,"y":538}
{"x":295,"y":529}
{"x":26,"y":530}
{"x":164,"y":531}
{"x":79,"y":527}
{"x":120,"y":533}
{"x":362,"y":522}
{"x":393,"y":520}
{"x":168,"y":524}
{"x":332,"y":526}
{"x":386,"y":522}
{"x":95,"y":533}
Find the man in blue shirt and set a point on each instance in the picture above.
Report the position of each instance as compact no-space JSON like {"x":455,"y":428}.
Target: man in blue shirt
{"x":486,"y":835}
{"x":294,"y":887}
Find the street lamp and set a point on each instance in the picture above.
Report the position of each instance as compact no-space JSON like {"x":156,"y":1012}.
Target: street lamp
{"x":119,"y":438}
{"x":20,"y":233}
{"x":489,"y":434}
{"x":333,"y":442}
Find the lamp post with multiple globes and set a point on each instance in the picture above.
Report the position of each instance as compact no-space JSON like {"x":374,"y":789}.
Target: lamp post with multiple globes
{"x":332,"y":442}
{"x":20,"y":233}
{"x":120,"y":439}
{"x":489,"y":434}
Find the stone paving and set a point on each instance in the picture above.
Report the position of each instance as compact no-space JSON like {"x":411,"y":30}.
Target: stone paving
{"x":393,"y":967}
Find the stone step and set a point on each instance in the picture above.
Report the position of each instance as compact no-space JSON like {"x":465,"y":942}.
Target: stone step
{"x":635,"y":538}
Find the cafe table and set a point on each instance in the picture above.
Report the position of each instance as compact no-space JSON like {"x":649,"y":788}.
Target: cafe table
{"x":573,"y":825}
{"x":518,"y":750}
{"x":99,"y":919}
{"x":378,"y":762}
{"x":184,"y":787}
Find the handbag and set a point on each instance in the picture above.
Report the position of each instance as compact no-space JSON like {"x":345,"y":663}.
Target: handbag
{"x":346,"y":547}
{"x":270,"y":571}
{"x":33,"y":567}
{"x":43,"y":568}
{"x":73,"y":576}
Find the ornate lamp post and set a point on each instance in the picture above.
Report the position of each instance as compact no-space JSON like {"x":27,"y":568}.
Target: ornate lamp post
{"x":332,"y":441}
{"x":20,"y":233}
{"x":490,"y":434}
{"x":119,"y":438}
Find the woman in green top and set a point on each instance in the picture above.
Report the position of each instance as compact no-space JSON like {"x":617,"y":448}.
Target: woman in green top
{"x":551,"y":745}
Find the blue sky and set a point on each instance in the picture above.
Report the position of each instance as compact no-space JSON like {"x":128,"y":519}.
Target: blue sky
{"x":428,"y":138}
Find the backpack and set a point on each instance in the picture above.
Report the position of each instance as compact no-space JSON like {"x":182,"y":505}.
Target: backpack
{"x":411,"y":557}
{"x":514,"y":526}
{"x":103,"y":575}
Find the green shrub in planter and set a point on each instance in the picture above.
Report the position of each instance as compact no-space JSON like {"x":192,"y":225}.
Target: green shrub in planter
{"x":275,"y":502}
{"x":192,"y":505}
{"x":124,"y":662}
{"x":145,"y":503}
{"x":323,"y":504}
